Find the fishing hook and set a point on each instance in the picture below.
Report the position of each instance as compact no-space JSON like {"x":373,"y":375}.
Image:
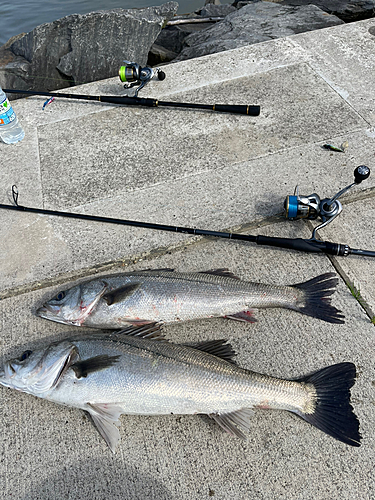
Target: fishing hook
{"x":15,"y":195}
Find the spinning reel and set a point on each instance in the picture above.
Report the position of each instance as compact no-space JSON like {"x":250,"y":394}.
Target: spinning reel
{"x":134,"y":75}
{"x":312,"y":207}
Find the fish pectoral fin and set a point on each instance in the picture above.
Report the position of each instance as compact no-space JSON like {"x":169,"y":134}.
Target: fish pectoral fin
{"x":221,"y":272}
{"x":148,"y":331}
{"x":105,"y":417}
{"x":120,"y":294}
{"x":236,"y":423}
{"x":91,"y":365}
{"x":246,"y":316}
{"x":220,"y":348}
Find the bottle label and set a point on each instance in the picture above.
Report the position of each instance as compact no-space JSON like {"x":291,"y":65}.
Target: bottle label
{"x":7,"y":115}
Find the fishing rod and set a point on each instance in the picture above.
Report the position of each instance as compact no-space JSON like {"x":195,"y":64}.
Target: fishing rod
{"x":132,"y":74}
{"x":296,"y":207}
{"x":240,"y":109}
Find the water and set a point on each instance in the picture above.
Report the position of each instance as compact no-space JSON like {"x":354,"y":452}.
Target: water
{"x":18,"y":16}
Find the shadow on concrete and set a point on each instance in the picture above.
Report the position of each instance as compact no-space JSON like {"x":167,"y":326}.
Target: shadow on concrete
{"x":99,"y":479}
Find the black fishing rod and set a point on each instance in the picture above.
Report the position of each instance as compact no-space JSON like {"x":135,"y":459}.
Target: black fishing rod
{"x":135,"y":78}
{"x":296,"y":207}
{"x":241,"y":109}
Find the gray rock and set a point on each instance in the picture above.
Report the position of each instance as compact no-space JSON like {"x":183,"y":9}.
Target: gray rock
{"x":242,"y":3}
{"x":10,"y":66}
{"x":82,"y":48}
{"x":160,"y":55}
{"x":171,"y":38}
{"x":212,"y":10}
{"x":350,"y":10}
{"x":254,"y":23}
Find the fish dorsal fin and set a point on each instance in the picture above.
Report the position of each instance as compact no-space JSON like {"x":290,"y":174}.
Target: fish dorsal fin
{"x":221,"y":272}
{"x":219,"y":348}
{"x":120,"y":294}
{"x":95,"y":364}
{"x":237,"y":423}
{"x":151,"y":331}
{"x":105,"y":417}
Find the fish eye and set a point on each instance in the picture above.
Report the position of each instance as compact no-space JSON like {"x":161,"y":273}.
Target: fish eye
{"x":25,"y":355}
{"x":60,"y":296}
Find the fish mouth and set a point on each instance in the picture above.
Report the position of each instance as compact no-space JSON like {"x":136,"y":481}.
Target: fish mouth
{"x":3,"y":378}
{"x":7,"y":373}
{"x":41,"y":311}
{"x":47,"y":312}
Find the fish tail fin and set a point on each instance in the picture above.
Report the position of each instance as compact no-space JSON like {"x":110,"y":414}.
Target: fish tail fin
{"x":333,"y":413}
{"x":315,"y":300}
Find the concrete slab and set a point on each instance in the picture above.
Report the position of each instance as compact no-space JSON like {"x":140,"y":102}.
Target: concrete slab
{"x":344,"y":61}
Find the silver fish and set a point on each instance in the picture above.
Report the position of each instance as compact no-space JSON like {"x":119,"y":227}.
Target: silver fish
{"x":133,"y":373}
{"x":164,"y":296}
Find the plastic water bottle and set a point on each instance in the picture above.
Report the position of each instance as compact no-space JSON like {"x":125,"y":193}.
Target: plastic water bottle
{"x":10,"y":128}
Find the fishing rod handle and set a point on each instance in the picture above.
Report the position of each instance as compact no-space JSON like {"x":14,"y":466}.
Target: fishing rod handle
{"x":292,"y":243}
{"x":302,"y":245}
{"x":239,"y":109}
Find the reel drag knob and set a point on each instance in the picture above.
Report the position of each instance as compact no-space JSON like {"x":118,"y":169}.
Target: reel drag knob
{"x":361,"y":173}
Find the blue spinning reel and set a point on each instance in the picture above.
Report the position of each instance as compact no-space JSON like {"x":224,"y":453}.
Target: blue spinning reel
{"x":313,"y":207}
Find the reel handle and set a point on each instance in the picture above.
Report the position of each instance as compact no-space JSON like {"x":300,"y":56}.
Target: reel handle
{"x":361,"y":173}
{"x":161,"y":75}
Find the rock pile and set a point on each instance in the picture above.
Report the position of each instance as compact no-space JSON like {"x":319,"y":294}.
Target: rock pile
{"x":250,"y":21}
{"x":253,"y":23}
{"x":84,"y":48}
{"x":81,"y":48}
